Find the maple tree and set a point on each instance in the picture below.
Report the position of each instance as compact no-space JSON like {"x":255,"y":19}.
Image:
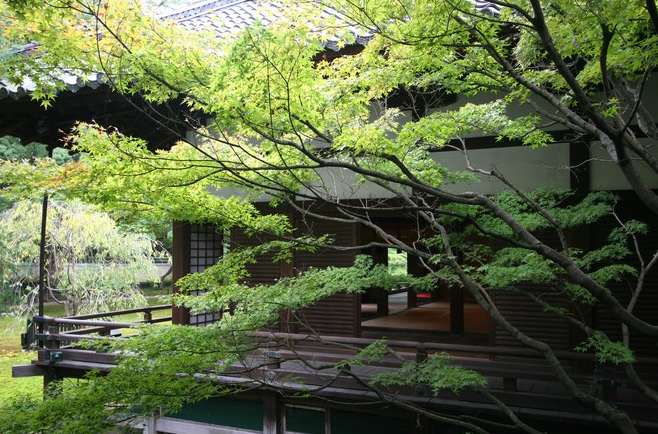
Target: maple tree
{"x":288,"y":124}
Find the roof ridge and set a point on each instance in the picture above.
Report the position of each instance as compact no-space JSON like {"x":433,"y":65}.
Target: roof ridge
{"x":193,"y":9}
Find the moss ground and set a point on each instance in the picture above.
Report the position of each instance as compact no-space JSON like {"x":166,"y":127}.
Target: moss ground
{"x":11,"y":354}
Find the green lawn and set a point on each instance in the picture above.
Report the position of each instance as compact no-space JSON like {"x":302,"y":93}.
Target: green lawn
{"x":11,"y":353}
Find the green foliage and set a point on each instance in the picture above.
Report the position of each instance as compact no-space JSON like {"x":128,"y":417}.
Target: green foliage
{"x":22,"y":167}
{"x":372,"y":353}
{"x":397,"y":261}
{"x":259,"y":306}
{"x":607,"y":351}
{"x":10,"y":355}
{"x":12,"y":149}
{"x":175,"y":365}
{"x":541,"y":212}
{"x":580,"y":294}
{"x":555,"y":213}
{"x":512,"y":266}
{"x":35,"y":415}
{"x":436,"y":372}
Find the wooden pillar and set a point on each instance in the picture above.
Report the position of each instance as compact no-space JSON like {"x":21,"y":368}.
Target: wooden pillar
{"x":150,"y":426}
{"x":180,"y":266}
{"x":42,"y":260}
{"x":50,"y":375}
{"x":380,"y":256}
{"x":270,"y":412}
{"x":382,"y":301}
{"x":287,"y":322}
{"x":457,"y":311}
{"x":413,"y":269}
{"x":412,"y":299}
{"x":356,"y":315}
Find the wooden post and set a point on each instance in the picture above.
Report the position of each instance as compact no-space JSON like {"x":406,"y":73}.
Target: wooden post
{"x":456,"y":311}
{"x":150,"y":427}
{"x":50,"y":374}
{"x":380,"y":256}
{"x":412,"y":299}
{"x":42,"y":259}
{"x":180,"y":266}
{"x":421,"y":353}
{"x":270,"y":411}
{"x":382,"y":302}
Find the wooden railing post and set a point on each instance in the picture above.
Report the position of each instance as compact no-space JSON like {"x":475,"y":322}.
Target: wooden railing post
{"x":150,"y":425}
{"x":270,"y":406}
{"x":51,"y":344}
{"x":421,"y":353}
{"x":609,"y":384}
{"x":273,"y":356}
{"x":509,"y":384}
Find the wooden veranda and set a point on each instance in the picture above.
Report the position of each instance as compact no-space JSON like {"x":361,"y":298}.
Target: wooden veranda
{"x":517,"y":377}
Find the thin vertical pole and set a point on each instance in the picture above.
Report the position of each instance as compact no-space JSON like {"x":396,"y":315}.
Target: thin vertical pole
{"x":42,"y":260}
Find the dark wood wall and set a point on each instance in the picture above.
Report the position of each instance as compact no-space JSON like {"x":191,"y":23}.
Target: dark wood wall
{"x":536,"y":322}
{"x":531,"y":319}
{"x":630,"y":207}
{"x":338,"y":315}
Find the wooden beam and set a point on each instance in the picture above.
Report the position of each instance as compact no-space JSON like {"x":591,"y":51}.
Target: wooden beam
{"x":21,"y":371}
{"x":180,"y":426}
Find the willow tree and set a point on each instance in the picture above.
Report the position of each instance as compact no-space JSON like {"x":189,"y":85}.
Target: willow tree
{"x":91,"y":266}
{"x":286,"y":122}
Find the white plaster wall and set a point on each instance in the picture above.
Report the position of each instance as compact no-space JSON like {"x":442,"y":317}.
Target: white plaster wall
{"x":525,"y":167}
{"x":238,"y":192}
{"x":344,"y":184}
{"x":514,"y":110}
{"x":605,"y":175}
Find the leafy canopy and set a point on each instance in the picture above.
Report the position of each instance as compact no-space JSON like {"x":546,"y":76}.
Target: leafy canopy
{"x":290,"y":125}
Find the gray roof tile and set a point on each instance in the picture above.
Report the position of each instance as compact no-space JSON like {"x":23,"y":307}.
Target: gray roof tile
{"x":225,"y":17}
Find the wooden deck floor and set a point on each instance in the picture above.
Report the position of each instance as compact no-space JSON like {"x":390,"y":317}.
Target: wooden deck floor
{"x":433,"y":316}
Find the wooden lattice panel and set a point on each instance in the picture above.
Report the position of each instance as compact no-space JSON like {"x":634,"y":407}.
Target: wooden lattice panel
{"x":206,"y":247}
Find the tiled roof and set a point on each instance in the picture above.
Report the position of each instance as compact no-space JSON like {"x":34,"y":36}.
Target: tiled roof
{"x":231,"y":16}
{"x":224,"y":17}
{"x":72,"y":82}
{"x":486,"y":7}
{"x":227,"y":17}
